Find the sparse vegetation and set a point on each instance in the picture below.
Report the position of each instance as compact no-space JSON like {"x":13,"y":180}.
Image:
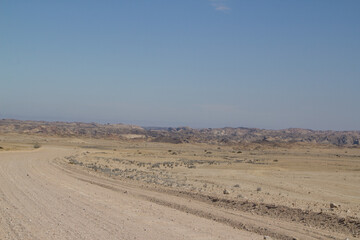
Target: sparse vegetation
{"x":221,"y":176}
{"x":37,"y":145}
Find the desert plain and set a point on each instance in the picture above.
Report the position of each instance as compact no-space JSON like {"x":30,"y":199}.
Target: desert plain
{"x":81,"y":187}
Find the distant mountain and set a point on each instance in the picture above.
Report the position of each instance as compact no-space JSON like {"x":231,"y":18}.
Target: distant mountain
{"x":226,"y":135}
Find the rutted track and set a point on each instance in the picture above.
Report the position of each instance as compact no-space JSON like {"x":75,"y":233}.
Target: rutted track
{"x":40,"y":198}
{"x":41,"y":201}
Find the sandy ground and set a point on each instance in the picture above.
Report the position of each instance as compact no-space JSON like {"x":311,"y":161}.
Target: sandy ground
{"x":95,"y":189}
{"x":41,"y":201}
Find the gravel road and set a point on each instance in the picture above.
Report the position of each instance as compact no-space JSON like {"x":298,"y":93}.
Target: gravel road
{"x":39,"y":200}
{"x":42,"y":197}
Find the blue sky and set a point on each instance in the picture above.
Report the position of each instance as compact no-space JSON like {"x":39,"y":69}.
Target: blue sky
{"x":198,"y":63}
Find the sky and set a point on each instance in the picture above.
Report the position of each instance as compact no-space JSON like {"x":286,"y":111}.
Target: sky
{"x":198,"y":63}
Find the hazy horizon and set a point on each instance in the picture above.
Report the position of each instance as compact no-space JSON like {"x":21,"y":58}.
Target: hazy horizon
{"x":203,"y":64}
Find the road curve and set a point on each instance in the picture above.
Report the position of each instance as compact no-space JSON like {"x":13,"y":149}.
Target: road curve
{"x":40,"y":200}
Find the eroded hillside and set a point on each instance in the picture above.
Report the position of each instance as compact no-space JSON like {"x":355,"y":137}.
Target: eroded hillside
{"x":225,"y":136}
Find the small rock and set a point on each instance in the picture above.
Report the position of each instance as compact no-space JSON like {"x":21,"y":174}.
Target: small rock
{"x":226,"y":191}
{"x":267,"y":238}
{"x":333,"y":205}
{"x":236,"y":185}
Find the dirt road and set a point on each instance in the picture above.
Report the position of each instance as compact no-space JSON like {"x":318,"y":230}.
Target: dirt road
{"x":40,"y":201}
{"x":43,"y":199}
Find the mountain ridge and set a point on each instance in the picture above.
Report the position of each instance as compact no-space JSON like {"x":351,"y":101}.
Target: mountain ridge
{"x":226,"y":135}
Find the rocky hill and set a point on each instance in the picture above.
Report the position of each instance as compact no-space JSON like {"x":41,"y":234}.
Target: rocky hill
{"x":69,"y":129}
{"x":181,"y":134}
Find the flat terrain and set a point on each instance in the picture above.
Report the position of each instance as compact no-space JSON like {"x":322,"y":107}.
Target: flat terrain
{"x":72,"y":188}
